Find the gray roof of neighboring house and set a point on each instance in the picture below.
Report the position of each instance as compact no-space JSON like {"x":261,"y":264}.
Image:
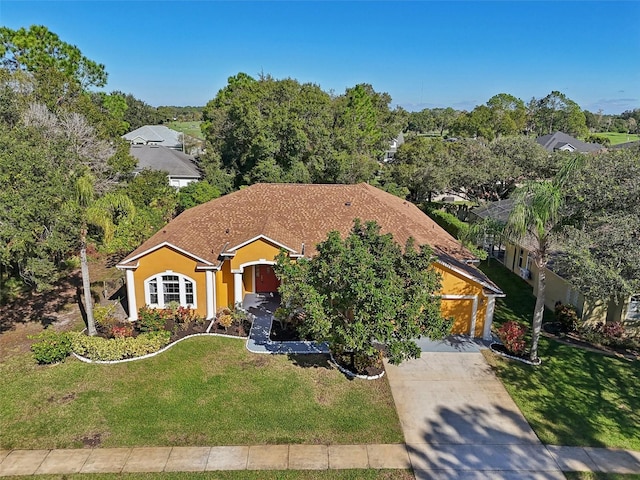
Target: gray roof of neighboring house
{"x":555,"y":141}
{"x":157,"y":134}
{"x":155,"y":157}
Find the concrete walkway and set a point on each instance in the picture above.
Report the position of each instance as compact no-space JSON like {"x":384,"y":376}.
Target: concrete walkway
{"x":459,"y":422}
{"x":261,"y":307}
{"x":200,"y":459}
{"x":537,"y":462}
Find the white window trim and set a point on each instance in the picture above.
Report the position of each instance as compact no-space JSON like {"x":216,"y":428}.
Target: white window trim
{"x":181,"y":279}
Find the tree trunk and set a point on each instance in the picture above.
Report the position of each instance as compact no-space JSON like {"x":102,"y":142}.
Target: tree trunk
{"x":538,"y":312}
{"x":86,"y":284}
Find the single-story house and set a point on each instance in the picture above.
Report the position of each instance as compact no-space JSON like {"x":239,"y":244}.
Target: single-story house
{"x":517,"y":257}
{"x":566,"y":143}
{"x":214,"y":254}
{"x":155,"y":135}
{"x":180,"y":167}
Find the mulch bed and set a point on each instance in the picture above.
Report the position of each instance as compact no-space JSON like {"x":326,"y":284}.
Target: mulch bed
{"x":234,"y":330}
{"x":344,"y":360}
{"x":179,"y":331}
{"x":503,"y":352}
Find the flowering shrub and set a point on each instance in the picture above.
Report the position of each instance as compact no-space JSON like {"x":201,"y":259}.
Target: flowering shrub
{"x":512,"y":335}
{"x":184,"y":315}
{"x":613,"y":330}
{"x":121,"y":330}
{"x":567,"y":315}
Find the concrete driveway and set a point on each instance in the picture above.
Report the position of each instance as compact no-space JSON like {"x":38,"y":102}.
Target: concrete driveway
{"x":460,"y":422}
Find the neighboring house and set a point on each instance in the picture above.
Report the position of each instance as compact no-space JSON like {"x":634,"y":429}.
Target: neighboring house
{"x":393,"y":147}
{"x":180,"y":167}
{"x":155,"y":135}
{"x":517,"y":258}
{"x":566,"y":143}
{"x":213,"y":254}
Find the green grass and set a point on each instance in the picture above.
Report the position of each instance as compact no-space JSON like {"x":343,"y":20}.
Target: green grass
{"x":241,"y":475}
{"x":576,"y":397}
{"x":190,"y":128}
{"x":203,"y":391}
{"x":519,"y":302}
{"x":617,"y":138}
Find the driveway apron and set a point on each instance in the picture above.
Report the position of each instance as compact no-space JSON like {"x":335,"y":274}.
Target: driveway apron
{"x":458,"y":419}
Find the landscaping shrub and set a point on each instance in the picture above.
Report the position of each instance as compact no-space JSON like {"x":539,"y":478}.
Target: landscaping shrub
{"x":512,"y":334}
{"x":51,"y":347}
{"x":150,"y":320}
{"x":119,"y":348}
{"x":452,"y":224}
{"x":225,"y":319}
{"x":612,"y":334}
{"x":613,"y":331}
{"x":121,"y":330}
{"x":567,"y":316}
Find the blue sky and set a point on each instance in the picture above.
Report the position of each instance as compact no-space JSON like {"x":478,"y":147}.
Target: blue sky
{"x":423,"y":53}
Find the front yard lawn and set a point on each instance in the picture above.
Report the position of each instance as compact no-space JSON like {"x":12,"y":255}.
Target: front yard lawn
{"x":576,"y":397}
{"x":203,"y":391}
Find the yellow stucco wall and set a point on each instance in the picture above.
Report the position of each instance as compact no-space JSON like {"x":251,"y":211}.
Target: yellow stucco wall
{"x":460,"y":311}
{"x":454,"y":283}
{"x":165,"y":258}
{"x":224,"y":286}
{"x":162,"y":260}
{"x":256,"y":250}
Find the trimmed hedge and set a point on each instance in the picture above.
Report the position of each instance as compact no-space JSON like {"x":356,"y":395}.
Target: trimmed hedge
{"x":98,"y":348}
{"x":452,"y":224}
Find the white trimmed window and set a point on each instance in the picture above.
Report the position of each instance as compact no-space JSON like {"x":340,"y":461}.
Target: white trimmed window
{"x":633,"y":309}
{"x":164,"y":288}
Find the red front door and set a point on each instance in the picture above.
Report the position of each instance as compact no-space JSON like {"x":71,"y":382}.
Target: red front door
{"x":266,"y":280}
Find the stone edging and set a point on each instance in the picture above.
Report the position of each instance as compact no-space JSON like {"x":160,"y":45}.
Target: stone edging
{"x":349,"y":373}
{"x":153,"y":354}
{"x":513,"y":357}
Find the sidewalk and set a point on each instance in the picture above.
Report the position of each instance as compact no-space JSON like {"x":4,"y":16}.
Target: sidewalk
{"x":535,"y":461}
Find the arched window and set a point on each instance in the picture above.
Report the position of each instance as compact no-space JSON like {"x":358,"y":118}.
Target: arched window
{"x":164,"y":288}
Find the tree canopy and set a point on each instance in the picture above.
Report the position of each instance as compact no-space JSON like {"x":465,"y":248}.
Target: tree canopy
{"x":362,"y":290}
{"x":272,"y":130}
{"x":602,"y":237}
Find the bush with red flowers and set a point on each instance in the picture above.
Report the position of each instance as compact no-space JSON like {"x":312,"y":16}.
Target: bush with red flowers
{"x":512,"y":335}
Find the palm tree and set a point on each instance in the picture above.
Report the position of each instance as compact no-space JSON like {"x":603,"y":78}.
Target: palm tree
{"x":536,"y":215}
{"x":101,"y":213}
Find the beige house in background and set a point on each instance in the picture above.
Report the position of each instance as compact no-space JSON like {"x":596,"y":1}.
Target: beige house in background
{"x":517,"y":257}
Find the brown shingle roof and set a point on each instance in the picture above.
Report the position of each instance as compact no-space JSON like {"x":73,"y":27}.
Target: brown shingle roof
{"x":295,"y":214}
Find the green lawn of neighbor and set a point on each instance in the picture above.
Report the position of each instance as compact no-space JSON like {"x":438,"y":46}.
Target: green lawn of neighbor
{"x":203,"y":391}
{"x":576,"y":397}
{"x":519,"y":301}
{"x":189,"y":128}
{"x":617,"y":138}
